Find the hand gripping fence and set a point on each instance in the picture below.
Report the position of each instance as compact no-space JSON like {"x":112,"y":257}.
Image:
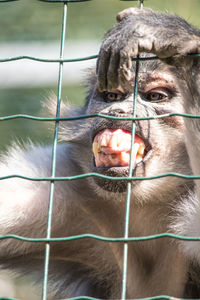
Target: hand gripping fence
{"x":52,"y":179}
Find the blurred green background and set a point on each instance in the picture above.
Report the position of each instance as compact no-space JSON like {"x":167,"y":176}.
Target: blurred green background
{"x":34,"y":28}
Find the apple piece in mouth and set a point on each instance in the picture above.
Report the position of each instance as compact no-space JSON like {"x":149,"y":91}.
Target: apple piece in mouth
{"x":112,"y":148}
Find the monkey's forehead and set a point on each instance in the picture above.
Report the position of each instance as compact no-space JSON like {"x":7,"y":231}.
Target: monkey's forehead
{"x":149,"y":71}
{"x":152,"y":72}
{"x":152,"y":67}
{"x":149,"y":79}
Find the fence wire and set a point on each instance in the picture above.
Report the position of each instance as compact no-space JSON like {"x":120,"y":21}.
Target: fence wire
{"x":61,"y":60}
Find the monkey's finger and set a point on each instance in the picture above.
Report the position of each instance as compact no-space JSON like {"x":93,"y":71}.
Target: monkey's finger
{"x":124,"y":13}
{"x":145,"y":45}
{"x":102,"y":69}
{"x":190,"y":47}
{"x":134,"y":11}
{"x":125,"y":66}
{"x":112,"y":74}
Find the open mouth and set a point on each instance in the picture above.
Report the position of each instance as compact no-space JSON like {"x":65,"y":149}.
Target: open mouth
{"x":112,"y":148}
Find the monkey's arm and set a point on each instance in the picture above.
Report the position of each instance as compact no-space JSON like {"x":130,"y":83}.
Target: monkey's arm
{"x":24,"y":203}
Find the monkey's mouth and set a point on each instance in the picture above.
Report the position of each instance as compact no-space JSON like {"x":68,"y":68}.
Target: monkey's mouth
{"x":112,"y":148}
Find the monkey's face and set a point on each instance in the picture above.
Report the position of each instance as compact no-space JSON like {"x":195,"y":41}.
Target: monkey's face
{"x":158,"y":146}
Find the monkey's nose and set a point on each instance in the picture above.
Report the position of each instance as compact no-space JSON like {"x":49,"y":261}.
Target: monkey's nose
{"x":118,"y":111}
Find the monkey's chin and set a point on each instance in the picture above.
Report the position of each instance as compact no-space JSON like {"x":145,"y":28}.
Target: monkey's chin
{"x":115,"y":186}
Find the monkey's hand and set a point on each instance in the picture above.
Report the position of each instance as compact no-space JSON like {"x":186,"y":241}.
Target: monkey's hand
{"x":142,"y":31}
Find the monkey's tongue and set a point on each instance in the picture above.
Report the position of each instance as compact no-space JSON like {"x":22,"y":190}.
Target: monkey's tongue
{"x":112,"y":148}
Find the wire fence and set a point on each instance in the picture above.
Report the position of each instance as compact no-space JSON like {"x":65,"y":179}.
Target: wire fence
{"x":52,"y":179}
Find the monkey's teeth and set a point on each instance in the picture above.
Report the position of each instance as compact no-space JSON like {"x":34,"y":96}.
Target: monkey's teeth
{"x":135,"y":151}
{"x":95,"y":148}
{"x":98,"y":161}
{"x":113,"y":147}
{"x":113,"y":142}
{"x":124,"y":142}
{"x":125,"y":157}
{"x":104,"y":141}
{"x":141,"y":150}
{"x":139,"y":158}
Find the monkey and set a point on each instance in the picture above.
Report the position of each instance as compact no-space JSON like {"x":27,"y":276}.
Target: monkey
{"x":96,"y":205}
{"x":150,"y":32}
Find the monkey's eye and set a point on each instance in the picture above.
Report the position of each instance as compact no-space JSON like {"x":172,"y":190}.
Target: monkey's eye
{"x":111,"y":96}
{"x":156,"y":95}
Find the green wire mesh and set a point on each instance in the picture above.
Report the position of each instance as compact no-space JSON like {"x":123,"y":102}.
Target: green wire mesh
{"x":53,"y":166}
{"x":64,"y":1}
{"x":8,"y":0}
{"x":53,"y":178}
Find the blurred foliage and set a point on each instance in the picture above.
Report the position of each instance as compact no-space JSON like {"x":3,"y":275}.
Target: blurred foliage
{"x":31,"y":101}
{"x":35,"y":20}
